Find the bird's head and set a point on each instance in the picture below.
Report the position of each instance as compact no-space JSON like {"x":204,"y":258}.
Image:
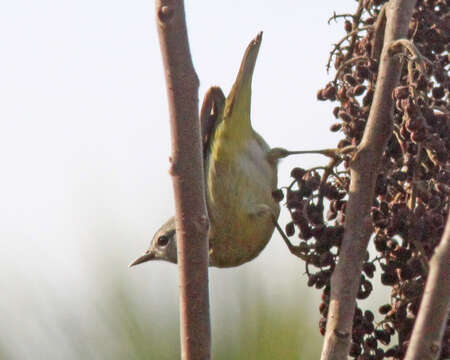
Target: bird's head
{"x":163,"y":245}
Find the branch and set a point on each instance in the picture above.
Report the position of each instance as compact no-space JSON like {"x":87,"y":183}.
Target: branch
{"x":426,"y":338}
{"x":398,"y":45}
{"x":356,"y":18}
{"x":336,"y":16}
{"x":378,"y":35}
{"x":337,"y":46}
{"x":364,"y":170}
{"x":188,"y":182}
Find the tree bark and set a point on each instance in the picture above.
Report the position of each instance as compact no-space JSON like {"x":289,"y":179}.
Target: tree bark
{"x":188,"y":180}
{"x":426,"y":338}
{"x":364,"y":171}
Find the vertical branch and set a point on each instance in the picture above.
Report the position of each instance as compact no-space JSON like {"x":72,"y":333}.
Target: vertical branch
{"x":188,"y":180}
{"x":425,"y":343}
{"x":364,"y":170}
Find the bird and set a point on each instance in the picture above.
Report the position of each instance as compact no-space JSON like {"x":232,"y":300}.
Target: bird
{"x":240,"y":174}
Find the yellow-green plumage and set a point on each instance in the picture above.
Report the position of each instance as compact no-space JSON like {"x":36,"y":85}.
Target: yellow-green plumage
{"x":240,"y":177}
{"x":238,"y":190}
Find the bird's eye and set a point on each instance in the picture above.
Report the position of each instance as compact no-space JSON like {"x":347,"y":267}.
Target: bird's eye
{"x":163,"y":240}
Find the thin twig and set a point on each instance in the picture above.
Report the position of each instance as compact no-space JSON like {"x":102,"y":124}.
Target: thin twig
{"x":336,"y":16}
{"x":356,"y":19}
{"x":417,"y":160}
{"x":357,"y":59}
{"x":337,"y":46}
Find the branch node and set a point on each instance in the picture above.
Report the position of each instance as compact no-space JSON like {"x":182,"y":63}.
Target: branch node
{"x":398,"y":45}
{"x":165,"y":13}
{"x":173,"y":169}
{"x":341,"y":334}
{"x":435,"y":348}
{"x":202,"y":223}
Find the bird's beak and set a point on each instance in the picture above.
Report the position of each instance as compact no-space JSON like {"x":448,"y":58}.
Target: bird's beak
{"x":143,"y":258}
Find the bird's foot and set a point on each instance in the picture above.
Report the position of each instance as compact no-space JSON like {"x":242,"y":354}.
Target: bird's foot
{"x":294,"y":249}
{"x":279,"y":153}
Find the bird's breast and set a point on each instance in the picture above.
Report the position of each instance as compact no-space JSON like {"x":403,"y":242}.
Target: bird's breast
{"x":239,"y":181}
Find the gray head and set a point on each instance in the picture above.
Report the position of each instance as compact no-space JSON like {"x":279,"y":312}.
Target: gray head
{"x":163,"y":245}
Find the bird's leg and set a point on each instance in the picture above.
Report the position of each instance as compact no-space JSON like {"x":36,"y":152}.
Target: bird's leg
{"x":295,"y":250}
{"x":275,"y":154}
{"x":263,"y":210}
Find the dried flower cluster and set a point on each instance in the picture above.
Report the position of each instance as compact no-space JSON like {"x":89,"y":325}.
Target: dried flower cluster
{"x":413,"y":186}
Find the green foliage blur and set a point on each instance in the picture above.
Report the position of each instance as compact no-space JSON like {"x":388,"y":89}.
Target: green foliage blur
{"x":122,"y":329}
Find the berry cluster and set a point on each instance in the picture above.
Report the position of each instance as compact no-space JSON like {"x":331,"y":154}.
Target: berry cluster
{"x":412,"y":189}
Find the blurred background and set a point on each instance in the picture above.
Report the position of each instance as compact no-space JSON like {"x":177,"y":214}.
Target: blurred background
{"x":84,"y":147}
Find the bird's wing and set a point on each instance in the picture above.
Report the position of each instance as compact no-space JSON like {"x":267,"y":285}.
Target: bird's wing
{"x":210,"y":113}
